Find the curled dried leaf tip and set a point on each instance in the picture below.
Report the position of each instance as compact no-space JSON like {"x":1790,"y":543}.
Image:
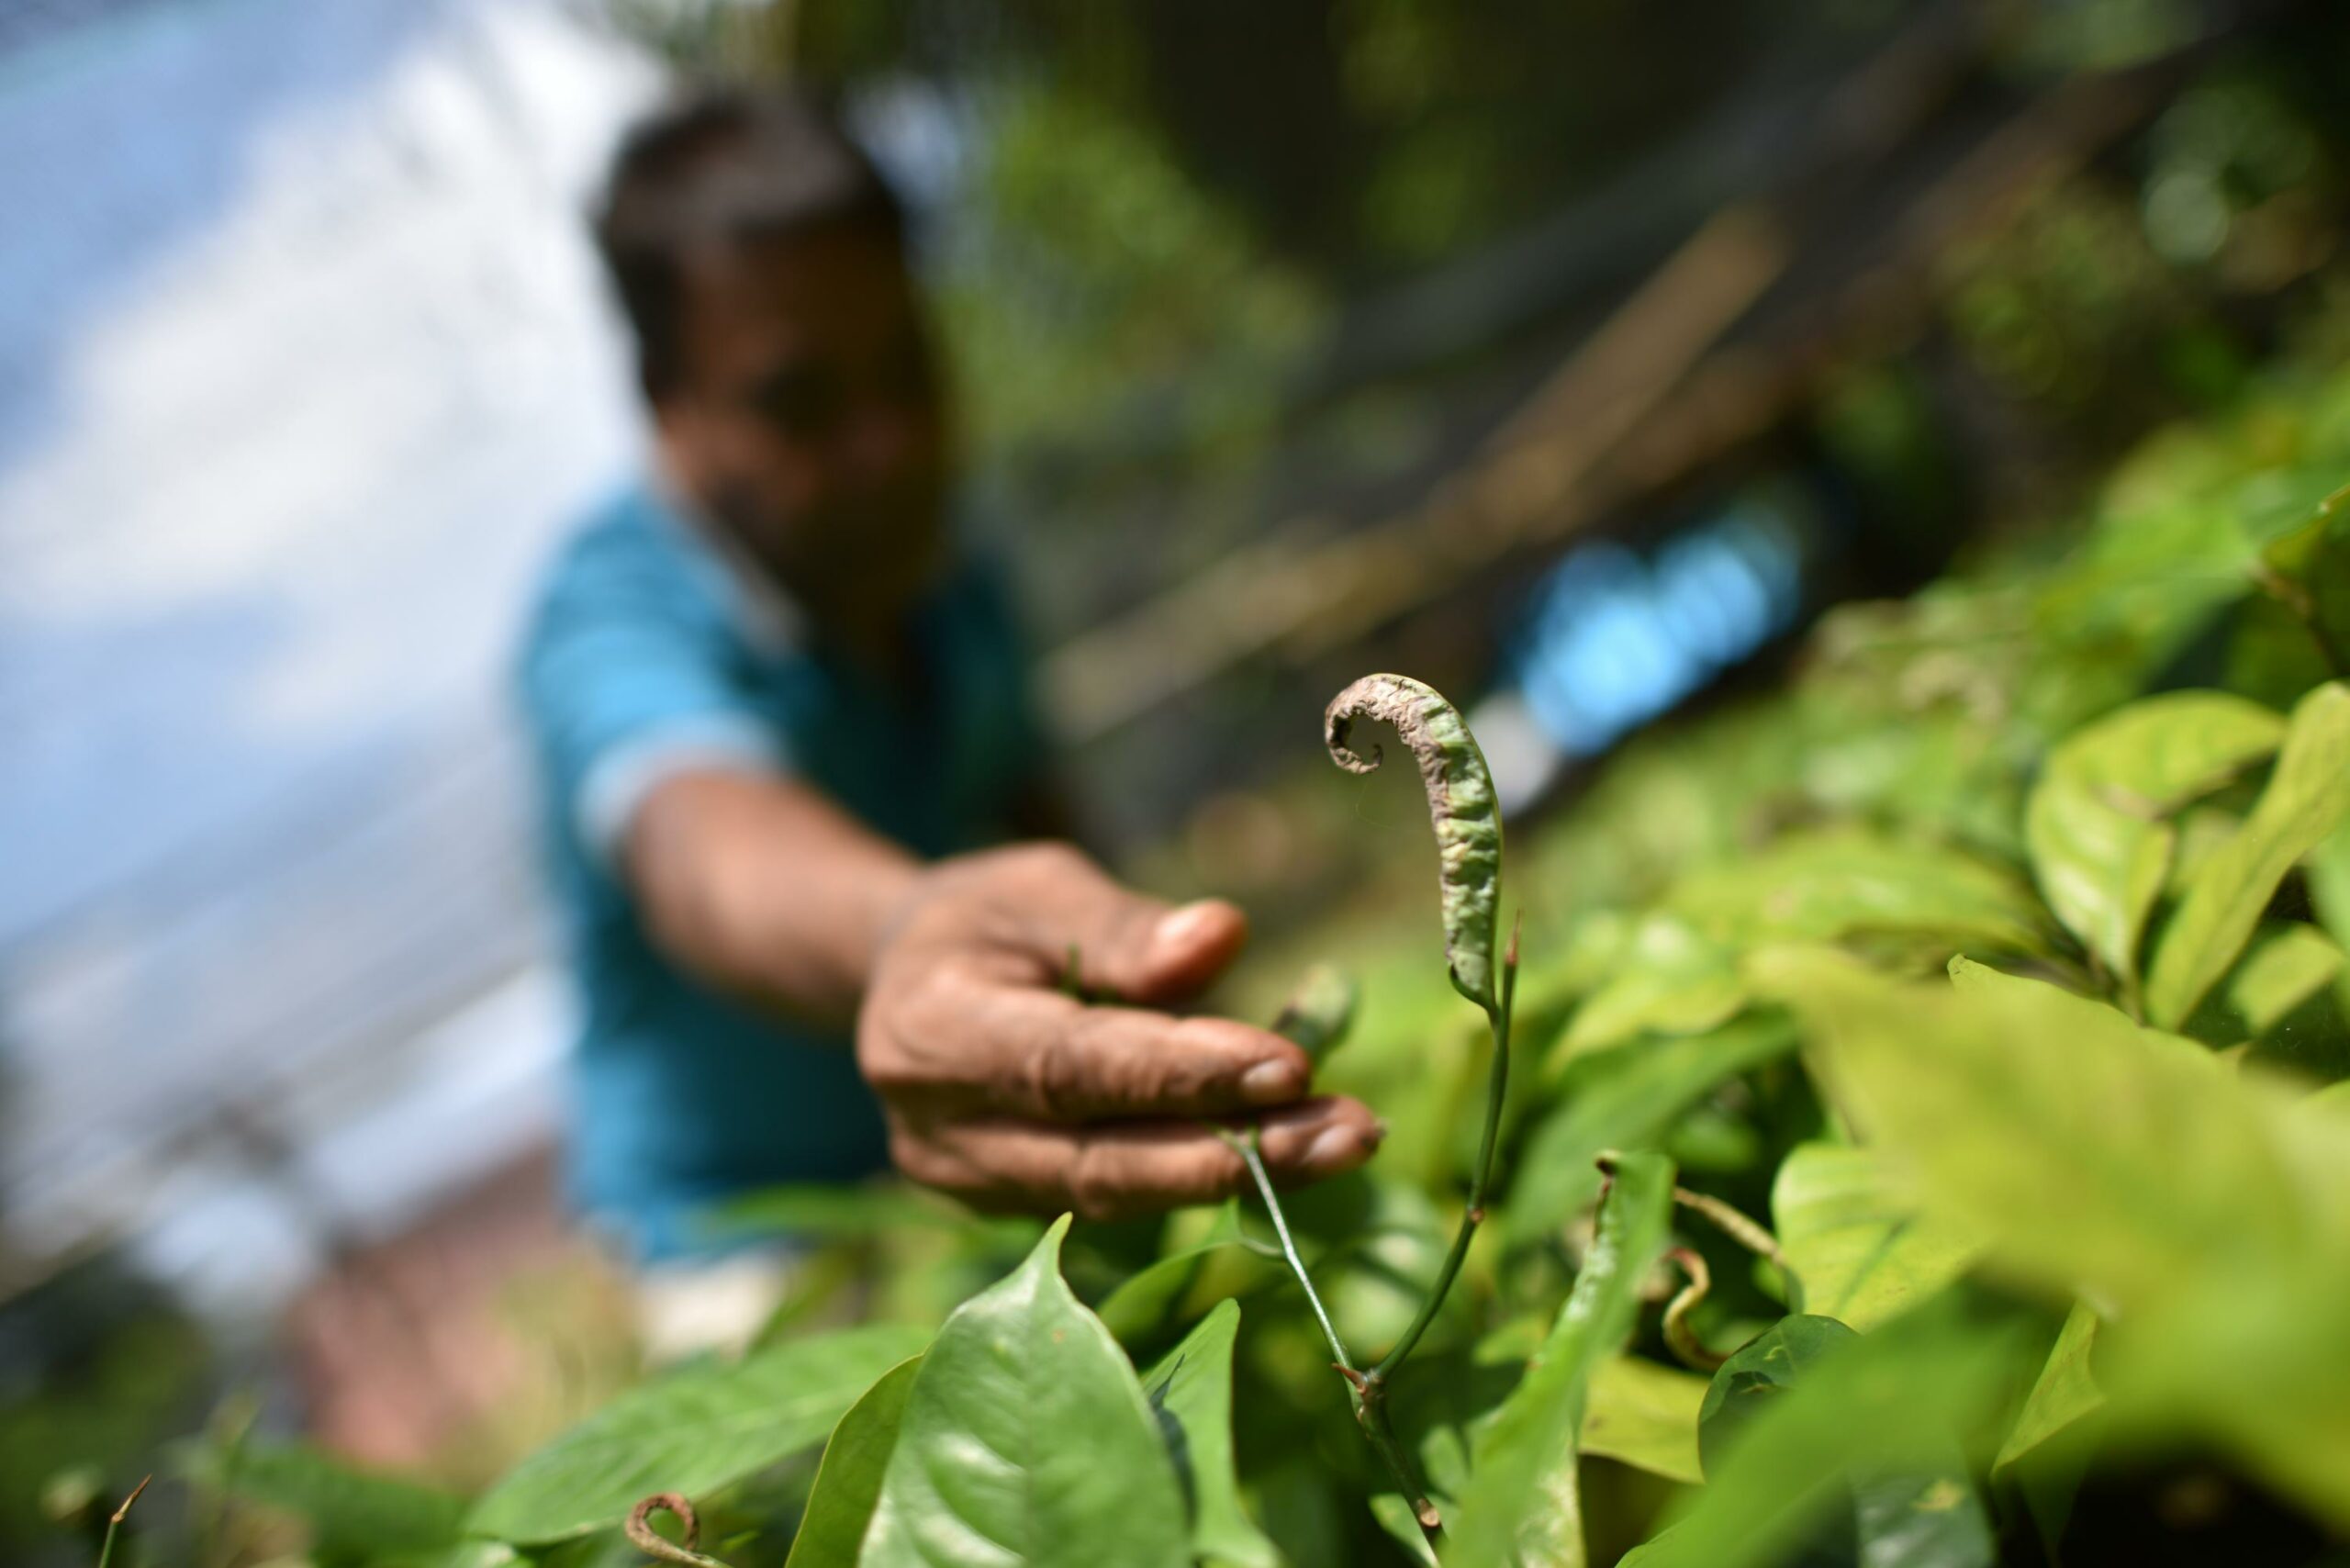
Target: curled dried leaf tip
{"x":640,"y":1532}
{"x":1460,"y":805}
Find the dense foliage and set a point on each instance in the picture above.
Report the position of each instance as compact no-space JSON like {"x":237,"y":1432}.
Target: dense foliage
{"x":1922,"y":1146}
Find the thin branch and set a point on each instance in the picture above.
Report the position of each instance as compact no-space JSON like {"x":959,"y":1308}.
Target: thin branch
{"x":106,"y":1550}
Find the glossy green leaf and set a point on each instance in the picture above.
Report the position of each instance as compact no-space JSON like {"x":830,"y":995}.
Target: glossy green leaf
{"x":692,"y":1431}
{"x":349,"y":1512}
{"x":2095,"y":823}
{"x":1852,"y":1232}
{"x":2307,"y":795}
{"x":1194,"y":1385}
{"x":2288,"y":963}
{"x":1645,"y":1414}
{"x":1625,"y":1100}
{"x":1764,"y":1369}
{"x":848,"y":1482}
{"x":1027,"y":1440}
{"x":1516,"y":1505}
{"x":2063,"y":1395}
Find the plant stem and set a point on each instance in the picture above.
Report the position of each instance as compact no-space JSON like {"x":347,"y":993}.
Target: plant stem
{"x":105,"y":1550}
{"x":1497,"y":1087}
{"x":1370,"y":1409}
{"x":1244,"y":1144}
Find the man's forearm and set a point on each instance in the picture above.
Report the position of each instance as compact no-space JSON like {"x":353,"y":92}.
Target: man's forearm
{"x":766,"y":888}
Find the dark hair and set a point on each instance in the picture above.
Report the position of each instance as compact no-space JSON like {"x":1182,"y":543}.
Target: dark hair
{"x":724,"y":167}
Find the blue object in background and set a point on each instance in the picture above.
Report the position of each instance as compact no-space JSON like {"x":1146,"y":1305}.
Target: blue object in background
{"x":1613,"y":639}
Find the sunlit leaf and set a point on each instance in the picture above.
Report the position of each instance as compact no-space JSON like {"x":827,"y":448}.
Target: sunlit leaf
{"x":2288,"y":963}
{"x":1516,"y":1506}
{"x":1194,"y":1385}
{"x":848,"y":1482}
{"x":1027,"y":1440}
{"x":1853,"y":1234}
{"x":2305,"y":798}
{"x":1851,"y":886}
{"x":1625,"y":1099}
{"x":692,"y":1431}
{"x":2083,"y":1150}
{"x":1667,"y":980}
{"x":2063,"y":1393}
{"x":1644,"y":1414}
{"x":2095,"y":823}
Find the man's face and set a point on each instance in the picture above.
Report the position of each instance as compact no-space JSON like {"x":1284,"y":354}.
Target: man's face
{"x":806,"y":418}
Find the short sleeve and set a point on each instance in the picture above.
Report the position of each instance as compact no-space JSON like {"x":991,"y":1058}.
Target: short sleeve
{"x":627,"y":678}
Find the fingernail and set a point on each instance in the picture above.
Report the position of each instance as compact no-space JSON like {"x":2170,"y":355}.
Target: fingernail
{"x":1271,"y":1082}
{"x":1333,"y":1146}
{"x":1378,"y":1131}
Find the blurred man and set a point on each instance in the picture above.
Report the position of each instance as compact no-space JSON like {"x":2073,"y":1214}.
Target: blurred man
{"x":779,"y":712}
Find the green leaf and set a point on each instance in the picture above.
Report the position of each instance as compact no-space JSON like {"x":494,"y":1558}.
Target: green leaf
{"x":1027,"y":1440}
{"x":1848,"y":885}
{"x":1668,"y":980}
{"x":1877,"y":1409}
{"x":350,"y":1512}
{"x":1760,"y":1372}
{"x":1925,"y":1517}
{"x":2085,"y":1151}
{"x":692,"y":1431}
{"x":1516,"y":1507}
{"x":1194,"y":1385}
{"x":1145,"y":1303}
{"x":2306,"y":796}
{"x":828,"y":1211}
{"x":1853,"y":1233}
{"x":1644,"y":1414}
{"x":2289,"y":963}
{"x":2063,"y":1395}
{"x":848,"y":1482}
{"x":2096,"y":826}
{"x":2308,"y":570}
{"x":1624,"y":1100}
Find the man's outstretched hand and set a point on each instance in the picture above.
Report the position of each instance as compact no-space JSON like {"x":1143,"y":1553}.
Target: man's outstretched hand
{"x":1009,"y":1092}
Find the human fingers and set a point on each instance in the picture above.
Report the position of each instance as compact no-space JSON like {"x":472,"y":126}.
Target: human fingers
{"x":975,"y":1044}
{"x":1114,"y":1170}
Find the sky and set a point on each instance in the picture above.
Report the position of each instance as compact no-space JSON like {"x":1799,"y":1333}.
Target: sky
{"x":304,"y":367}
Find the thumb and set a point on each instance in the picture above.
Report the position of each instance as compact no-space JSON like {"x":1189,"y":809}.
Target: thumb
{"x":1148,"y":954}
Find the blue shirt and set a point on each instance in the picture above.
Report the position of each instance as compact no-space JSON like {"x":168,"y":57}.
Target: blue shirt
{"x":648,"y":653}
